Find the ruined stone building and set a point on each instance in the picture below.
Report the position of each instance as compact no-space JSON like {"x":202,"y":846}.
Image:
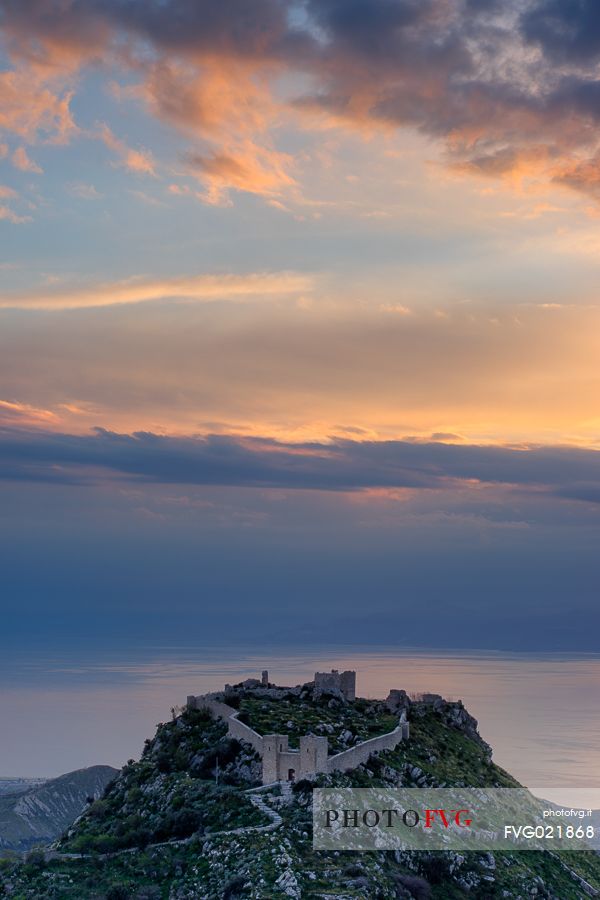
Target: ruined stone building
{"x":330,"y":682}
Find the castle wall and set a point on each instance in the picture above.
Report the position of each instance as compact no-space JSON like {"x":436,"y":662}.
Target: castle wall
{"x":349,"y":759}
{"x":243,"y":732}
{"x":222,"y":710}
{"x":236,"y":729}
{"x":312,"y":757}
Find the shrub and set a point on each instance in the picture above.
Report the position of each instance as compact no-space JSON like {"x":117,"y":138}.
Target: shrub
{"x":148,"y":892}
{"x":83,"y":843}
{"x":197,"y":716}
{"x":302,"y":786}
{"x":353,"y":870}
{"x":234,"y":888}
{"x":105,"y":843}
{"x":177,"y":802}
{"x":164,"y":763}
{"x":185,"y":822}
{"x":436,"y":867}
{"x":418,"y":887}
{"x":118,"y":892}
{"x":134,"y":794}
{"x":35,"y":860}
{"x":98,"y":809}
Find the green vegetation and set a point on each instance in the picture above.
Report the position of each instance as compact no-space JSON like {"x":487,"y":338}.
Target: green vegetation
{"x":445,"y":755}
{"x":296,"y":716}
{"x":171,"y":792}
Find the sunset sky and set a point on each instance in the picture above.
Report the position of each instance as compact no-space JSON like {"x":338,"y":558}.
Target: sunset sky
{"x":299,"y":319}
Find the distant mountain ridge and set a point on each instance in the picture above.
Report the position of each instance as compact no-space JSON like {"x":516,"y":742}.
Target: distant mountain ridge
{"x":39,"y":811}
{"x":18,"y":784}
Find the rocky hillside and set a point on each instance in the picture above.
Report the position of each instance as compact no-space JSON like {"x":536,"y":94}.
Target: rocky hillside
{"x":39,"y":813}
{"x":167,"y":828}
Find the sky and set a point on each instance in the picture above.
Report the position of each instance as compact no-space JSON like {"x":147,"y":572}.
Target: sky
{"x":299,"y":326}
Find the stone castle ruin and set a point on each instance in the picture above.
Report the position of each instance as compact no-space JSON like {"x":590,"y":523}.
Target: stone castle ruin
{"x":334,"y":682}
{"x":282,"y":763}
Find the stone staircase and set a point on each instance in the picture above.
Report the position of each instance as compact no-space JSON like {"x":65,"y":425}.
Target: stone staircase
{"x":259,"y":803}
{"x":286,"y":790}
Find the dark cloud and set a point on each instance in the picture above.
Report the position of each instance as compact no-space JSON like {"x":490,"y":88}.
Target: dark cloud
{"x":566,"y":30}
{"x":445,"y":436}
{"x":246,"y":27}
{"x":587,"y":492}
{"x":342,"y":465}
{"x":376,"y":29}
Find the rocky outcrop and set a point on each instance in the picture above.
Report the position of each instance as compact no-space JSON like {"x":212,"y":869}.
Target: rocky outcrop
{"x":452,"y":713}
{"x":397,"y":701}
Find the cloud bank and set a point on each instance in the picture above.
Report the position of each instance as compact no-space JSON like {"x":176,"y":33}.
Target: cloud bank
{"x":506,"y":87}
{"x":339,"y":465}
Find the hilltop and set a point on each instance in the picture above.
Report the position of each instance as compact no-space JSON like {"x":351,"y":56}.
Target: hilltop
{"x":191,"y":821}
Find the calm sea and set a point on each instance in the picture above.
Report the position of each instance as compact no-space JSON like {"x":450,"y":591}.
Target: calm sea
{"x":540,"y":713}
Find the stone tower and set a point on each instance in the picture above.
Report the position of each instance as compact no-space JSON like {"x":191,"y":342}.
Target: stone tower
{"x":344,"y":682}
{"x":313,"y":754}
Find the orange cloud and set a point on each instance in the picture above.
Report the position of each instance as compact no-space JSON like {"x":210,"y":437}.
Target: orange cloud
{"x":33,"y":110}
{"x":250,"y":168}
{"x":228,"y":103}
{"x":14,"y":413}
{"x":21,"y":160}
{"x":139,"y":290}
{"x":8,"y":215}
{"x":582,"y":175}
{"x":139,"y":161}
